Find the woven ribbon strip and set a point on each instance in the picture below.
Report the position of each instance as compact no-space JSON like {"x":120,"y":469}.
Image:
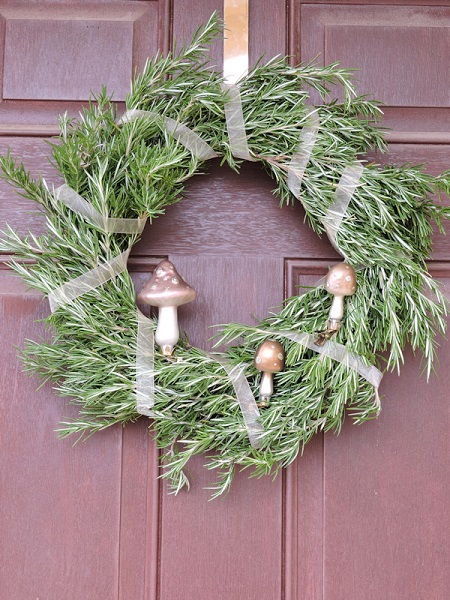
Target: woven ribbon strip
{"x":339,"y":353}
{"x":145,"y":364}
{"x":188,"y":138}
{"x":107,"y":224}
{"x":300,"y":158}
{"x":245,"y":398}
{"x":91,"y":280}
{"x":234,"y":116}
{"x":344,"y":192}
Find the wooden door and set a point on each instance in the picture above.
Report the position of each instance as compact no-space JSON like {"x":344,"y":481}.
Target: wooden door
{"x":362,"y":516}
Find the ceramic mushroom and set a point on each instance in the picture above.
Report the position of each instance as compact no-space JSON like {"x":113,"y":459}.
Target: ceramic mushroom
{"x":269,"y":359}
{"x":340,"y":282}
{"x":167,"y":290}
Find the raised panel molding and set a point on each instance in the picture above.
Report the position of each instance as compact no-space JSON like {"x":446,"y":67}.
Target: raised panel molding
{"x":336,"y":517}
{"x":421,"y":3}
{"x":60,"y":506}
{"x":45,"y":61}
{"x":402,"y":56}
{"x":302,"y":274}
{"x":303,"y":519}
{"x":404,"y":60}
{"x":55,"y":55}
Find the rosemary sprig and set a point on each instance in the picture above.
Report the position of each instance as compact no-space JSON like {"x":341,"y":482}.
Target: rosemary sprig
{"x":137,"y":169}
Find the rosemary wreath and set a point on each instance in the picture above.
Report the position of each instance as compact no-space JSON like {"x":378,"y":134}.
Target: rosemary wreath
{"x":136,"y":168}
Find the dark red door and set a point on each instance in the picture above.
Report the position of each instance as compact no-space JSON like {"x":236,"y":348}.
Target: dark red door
{"x":362,"y":516}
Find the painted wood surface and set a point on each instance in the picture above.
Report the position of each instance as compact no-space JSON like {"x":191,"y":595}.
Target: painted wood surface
{"x":59,"y":504}
{"x":360,"y":516}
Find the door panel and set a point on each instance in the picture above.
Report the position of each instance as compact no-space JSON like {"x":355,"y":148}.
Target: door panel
{"x":363,"y":515}
{"x":139,"y":515}
{"x":377,"y":495}
{"x":381,"y":42}
{"x":55,"y":54}
{"x":387,"y":494}
{"x":400,"y":53}
{"x":230,"y":548}
{"x":59,"y":504}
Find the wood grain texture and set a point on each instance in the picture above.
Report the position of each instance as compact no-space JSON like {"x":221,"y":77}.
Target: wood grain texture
{"x":262,"y":46}
{"x":59,"y":503}
{"x":401,"y":53}
{"x":362,"y":516}
{"x":36,"y":59}
{"x":433,"y":157}
{"x":428,"y":125}
{"x":420,"y":3}
{"x":37,"y":118}
{"x":235,"y":555}
{"x":260,"y":13}
{"x":303,"y":525}
{"x":386,"y":57}
{"x":140,"y":494}
{"x":386,"y":494}
{"x":376,"y":513}
{"x":230,"y":548}
{"x":316,"y":21}
{"x":206,"y":220}
{"x":220,"y":282}
{"x":301,"y":274}
{"x":2,"y":51}
{"x":55,"y":54}
{"x":188,"y":17}
{"x":139,"y":523}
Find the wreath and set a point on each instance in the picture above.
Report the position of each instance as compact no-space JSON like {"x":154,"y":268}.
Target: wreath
{"x":319,"y":365}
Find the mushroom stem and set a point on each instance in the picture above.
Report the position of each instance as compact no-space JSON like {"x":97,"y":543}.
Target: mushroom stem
{"x":337,"y":309}
{"x":167,"y":332}
{"x":266,"y":386}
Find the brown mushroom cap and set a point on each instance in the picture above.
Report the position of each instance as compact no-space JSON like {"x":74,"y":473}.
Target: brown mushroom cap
{"x":166,"y":287}
{"x":341,"y":280}
{"x":270,"y":357}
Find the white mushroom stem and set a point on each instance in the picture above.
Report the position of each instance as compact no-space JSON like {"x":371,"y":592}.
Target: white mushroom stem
{"x":167,"y":332}
{"x":266,"y":386}
{"x":337,"y":309}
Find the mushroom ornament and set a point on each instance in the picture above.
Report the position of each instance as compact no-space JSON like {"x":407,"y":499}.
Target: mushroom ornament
{"x":340,"y":282}
{"x":269,"y":359}
{"x":167,"y":290}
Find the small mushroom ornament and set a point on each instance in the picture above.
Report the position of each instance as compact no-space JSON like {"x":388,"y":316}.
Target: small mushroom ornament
{"x":167,"y":290}
{"x":269,"y":359}
{"x":340,"y":282}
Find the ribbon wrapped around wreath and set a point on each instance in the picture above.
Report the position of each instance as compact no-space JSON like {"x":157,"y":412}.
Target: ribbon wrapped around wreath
{"x":145,"y":384}
{"x":378,"y":218}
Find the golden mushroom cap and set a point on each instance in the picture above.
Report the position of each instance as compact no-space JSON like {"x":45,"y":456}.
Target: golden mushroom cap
{"x":341,"y":280}
{"x":270,"y":357}
{"x":166,"y":287}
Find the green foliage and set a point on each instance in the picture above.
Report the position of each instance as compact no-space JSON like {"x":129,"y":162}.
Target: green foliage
{"x":137,"y":169}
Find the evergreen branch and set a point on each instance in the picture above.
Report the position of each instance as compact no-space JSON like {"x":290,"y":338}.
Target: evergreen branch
{"x":137,"y":169}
